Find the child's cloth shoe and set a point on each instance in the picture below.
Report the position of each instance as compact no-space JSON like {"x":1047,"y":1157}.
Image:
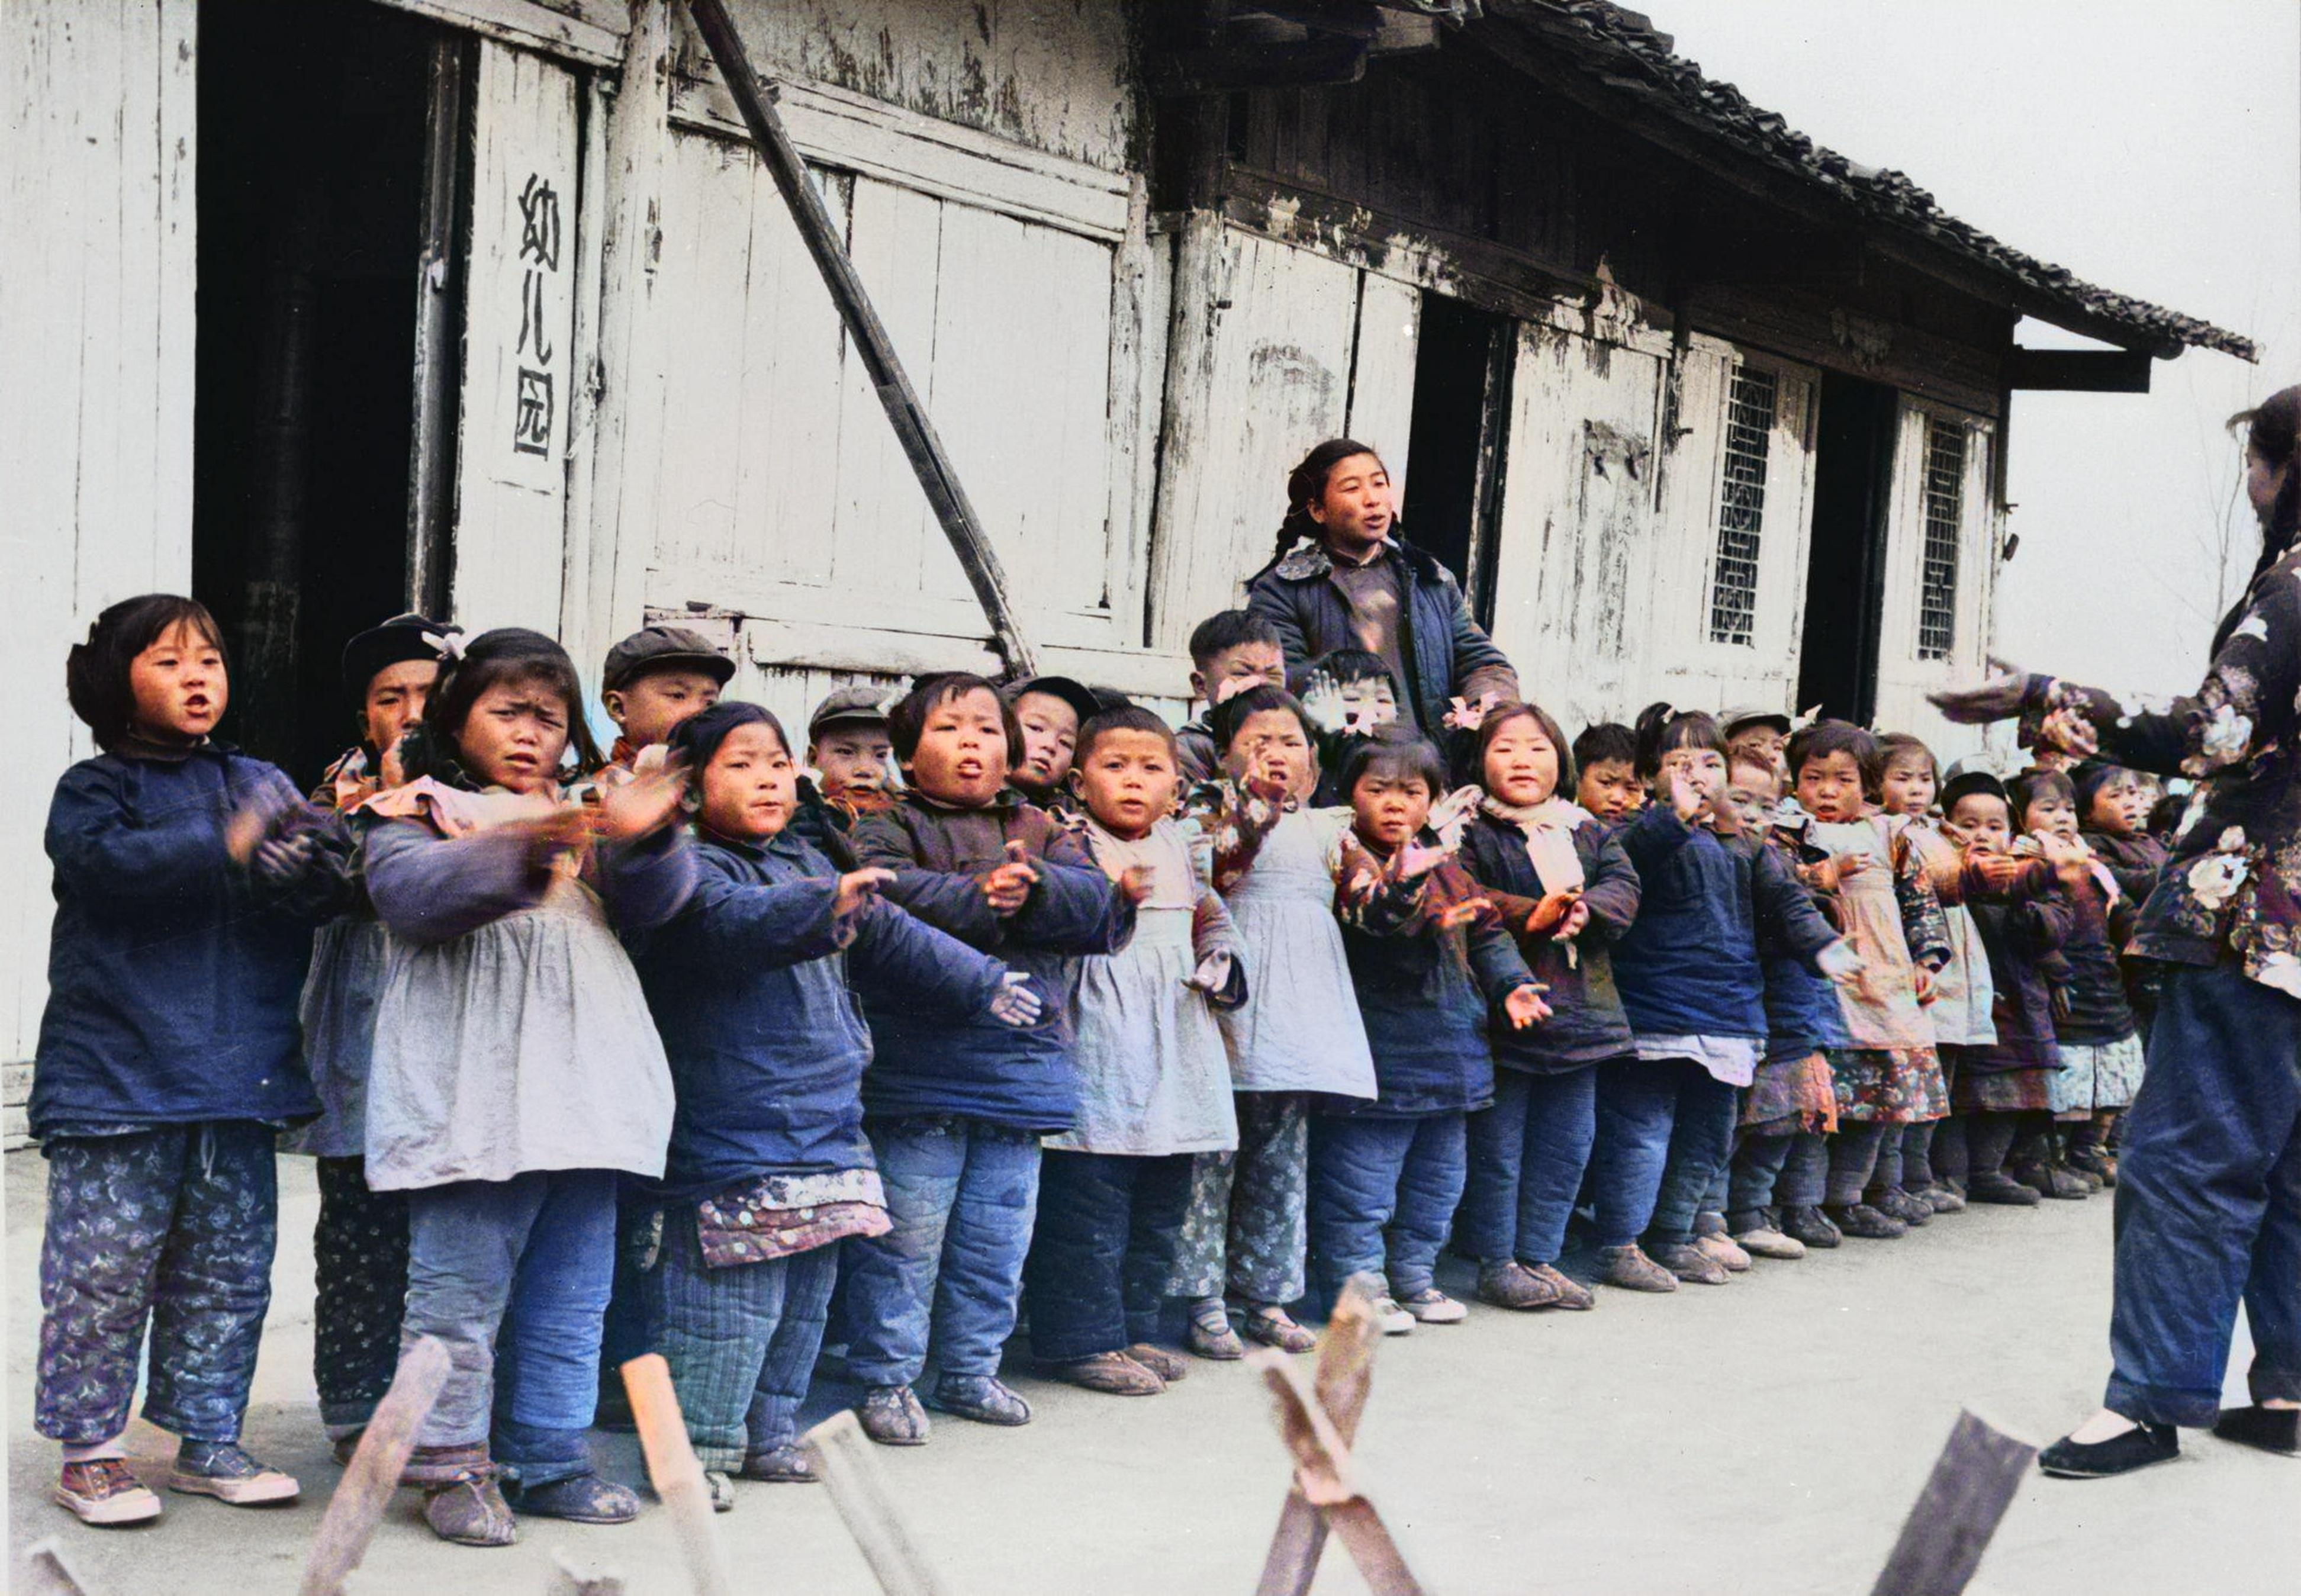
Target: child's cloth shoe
{"x":2272,"y":1429}
{"x":1512,"y":1284}
{"x":1167,"y":1366}
{"x":104,"y":1492}
{"x":1631,"y":1270}
{"x":1572,"y":1294}
{"x":1688,"y":1262}
{"x":1274,"y":1326}
{"x":587,"y":1498}
{"x":1859,"y":1219}
{"x":1113,"y":1374}
{"x":2051,"y":1180}
{"x":1722,"y":1249}
{"x":1810,"y":1227}
{"x":1938,"y":1197}
{"x":983,"y":1398}
{"x":785,"y":1465}
{"x":342,"y":1447}
{"x":2138,"y":1448}
{"x":224,"y":1470}
{"x":1431,"y":1306}
{"x":1209,"y":1335}
{"x":2000,"y":1189}
{"x":470,"y":1511}
{"x":891,"y":1414}
{"x":1390,"y":1318}
{"x":1760,"y":1236}
{"x":1897,"y":1204}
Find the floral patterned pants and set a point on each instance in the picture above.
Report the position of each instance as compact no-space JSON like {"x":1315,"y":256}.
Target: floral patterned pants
{"x":171,"y":1228}
{"x":359,"y":1253}
{"x":1246,"y":1221}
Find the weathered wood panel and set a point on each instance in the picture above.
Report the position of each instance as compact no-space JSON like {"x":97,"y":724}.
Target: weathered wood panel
{"x":519,"y":376}
{"x":1904,"y":676}
{"x":587,"y":31}
{"x":1381,"y":411}
{"x":95,"y":438}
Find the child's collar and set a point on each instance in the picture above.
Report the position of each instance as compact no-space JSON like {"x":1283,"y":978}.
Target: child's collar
{"x":1007,"y":799}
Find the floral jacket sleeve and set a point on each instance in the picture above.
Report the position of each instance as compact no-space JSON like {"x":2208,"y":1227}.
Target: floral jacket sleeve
{"x":2235,"y":875}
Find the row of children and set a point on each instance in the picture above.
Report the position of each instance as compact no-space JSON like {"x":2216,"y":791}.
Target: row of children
{"x":681,"y":1050}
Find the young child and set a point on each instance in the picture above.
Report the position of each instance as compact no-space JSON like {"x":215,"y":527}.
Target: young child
{"x":1773,"y":1206}
{"x":1563,"y":885}
{"x":2100,"y":1046}
{"x":1909,"y":781}
{"x":359,"y":1246}
{"x":2001,"y":1090}
{"x":954,"y":1112}
{"x":1049,"y":711}
{"x":1297,"y":1038}
{"x":1349,"y":694}
{"x":1231,"y":651}
{"x":1387,"y":1176}
{"x":1760,"y":735}
{"x":516,"y":1072}
{"x":1695,"y":993}
{"x":768,"y":1168}
{"x":168,"y":1059}
{"x":654,"y":678}
{"x":1606,"y":773}
{"x":853,"y":760}
{"x":1154,"y":1083}
{"x":1890,"y":1076}
{"x":2114,"y":807}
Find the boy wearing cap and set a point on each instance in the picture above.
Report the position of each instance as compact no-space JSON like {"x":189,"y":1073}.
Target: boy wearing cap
{"x":1049,"y":711}
{"x":360,"y":1244}
{"x":654,"y":678}
{"x":1762,"y":736}
{"x":853,"y":762}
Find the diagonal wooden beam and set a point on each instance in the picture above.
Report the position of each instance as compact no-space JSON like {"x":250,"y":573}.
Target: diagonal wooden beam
{"x":1973,"y":1482}
{"x":372,"y":1476}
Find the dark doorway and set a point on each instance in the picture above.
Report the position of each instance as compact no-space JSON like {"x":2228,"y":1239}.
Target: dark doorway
{"x":1462,"y":363}
{"x":313,"y":211}
{"x":1846,"y":579}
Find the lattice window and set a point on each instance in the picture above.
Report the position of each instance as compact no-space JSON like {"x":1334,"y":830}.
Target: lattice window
{"x":1751,"y":407}
{"x":1944,"y":519}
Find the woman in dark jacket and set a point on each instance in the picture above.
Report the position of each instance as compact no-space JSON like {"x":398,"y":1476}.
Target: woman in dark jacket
{"x":2211,"y":1171}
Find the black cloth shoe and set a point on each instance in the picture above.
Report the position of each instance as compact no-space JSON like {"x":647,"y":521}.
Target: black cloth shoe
{"x":579,"y":1499}
{"x":1811,"y":1226}
{"x":2272,"y":1429}
{"x":2138,"y":1448}
{"x":1859,"y":1219}
{"x":2001,"y":1189}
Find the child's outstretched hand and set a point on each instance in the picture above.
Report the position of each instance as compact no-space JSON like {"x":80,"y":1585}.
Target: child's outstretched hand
{"x":1322,"y":701}
{"x":1524,"y":1005}
{"x":1017,"y":1004}
{"x":1464,"y":912}
{"x":1138,"y":881}
{"x":1416,"y":859}
{"x":1452,"y":813}
{"x":563,"y":830}
{"x":857,"y":888}
{"x":1997,"y":871}
{"x":1548,"y":918}
{"x":1007,"y":887}
{"x":1212,"y":974}
{"x":1840,"y":963}
{"x":1687,"y":800}
{"x":641,"y":806}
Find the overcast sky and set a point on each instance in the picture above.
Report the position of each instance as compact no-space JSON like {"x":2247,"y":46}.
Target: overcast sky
{"x":2150,"y":148}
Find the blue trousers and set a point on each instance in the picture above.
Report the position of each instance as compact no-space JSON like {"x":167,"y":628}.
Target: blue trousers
{"x":1665,"y":1127}
{"x":1104,"y":1250}
{"x":171,"y":1228}
{"x":514,"y":1276}
{"x":2209,"y":1201}
{"x":1383,"y":1193}
{"x":1760,"y":1173}
{"x":941,"y":1286}
{"x":742,"y":1340}
{"x":1527,"y":1157}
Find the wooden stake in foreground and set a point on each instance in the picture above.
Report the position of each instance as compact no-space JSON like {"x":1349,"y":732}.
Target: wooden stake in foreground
{"x":372,"y":1476}
{"x":677,"y":1475}
{"x":858,"y":1489}
{"x":1948,"y":1529}
{"x":1318,"y":1420}
{"x":47,"y":1574}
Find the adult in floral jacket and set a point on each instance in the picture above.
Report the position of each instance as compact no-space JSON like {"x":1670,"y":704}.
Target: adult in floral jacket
{"x":2210,"y":1208}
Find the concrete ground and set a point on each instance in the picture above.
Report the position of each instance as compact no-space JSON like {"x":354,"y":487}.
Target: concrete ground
{"x":1766,"y":1437}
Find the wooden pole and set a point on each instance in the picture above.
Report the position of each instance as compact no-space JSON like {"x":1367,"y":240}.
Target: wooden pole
{"x":678,"y":1477}
{"x":859,"y":1490}
{"x":1965,"y":1498}
{"x":47,"y":1574}
{"x":372,"y":1476}
{"x":905,"y":413}
{"x":1345,"y":1374}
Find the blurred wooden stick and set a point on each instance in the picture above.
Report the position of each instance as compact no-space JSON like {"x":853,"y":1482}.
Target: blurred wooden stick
{"x":1973,"y":1482}
{"x":678,"y":1477}
{"x":47,"y":1574}
{"x":851,"y":1472}
{"x":373,"y":1475}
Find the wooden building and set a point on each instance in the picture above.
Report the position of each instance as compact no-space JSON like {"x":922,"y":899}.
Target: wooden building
{"x":327,"y":308}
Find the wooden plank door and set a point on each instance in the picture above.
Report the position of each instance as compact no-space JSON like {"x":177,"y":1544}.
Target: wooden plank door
{"x":519,"y":334}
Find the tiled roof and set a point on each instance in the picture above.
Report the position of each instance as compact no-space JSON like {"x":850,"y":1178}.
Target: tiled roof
{"x":1625,"y":51}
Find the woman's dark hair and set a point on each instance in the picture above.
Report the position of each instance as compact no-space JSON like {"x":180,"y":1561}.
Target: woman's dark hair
{"x":695,"y":741}
{"x":1824,"y":738}
{"x":507,"y":656}
{"x":2034,"y":784}
{"x":1661,"y":730}
{"x":95,"y":673}
{"x":2273,"y":430}
{"x":909,"y":718}
{"x":1895,"y":745}
{"x":1394,"y":751}
{"x":1604,"y":742}
{"x":1127,"y":717}
{"x":1306,"y":485}
{"x":1226,"y":717}
{"x":1503,"y":714}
